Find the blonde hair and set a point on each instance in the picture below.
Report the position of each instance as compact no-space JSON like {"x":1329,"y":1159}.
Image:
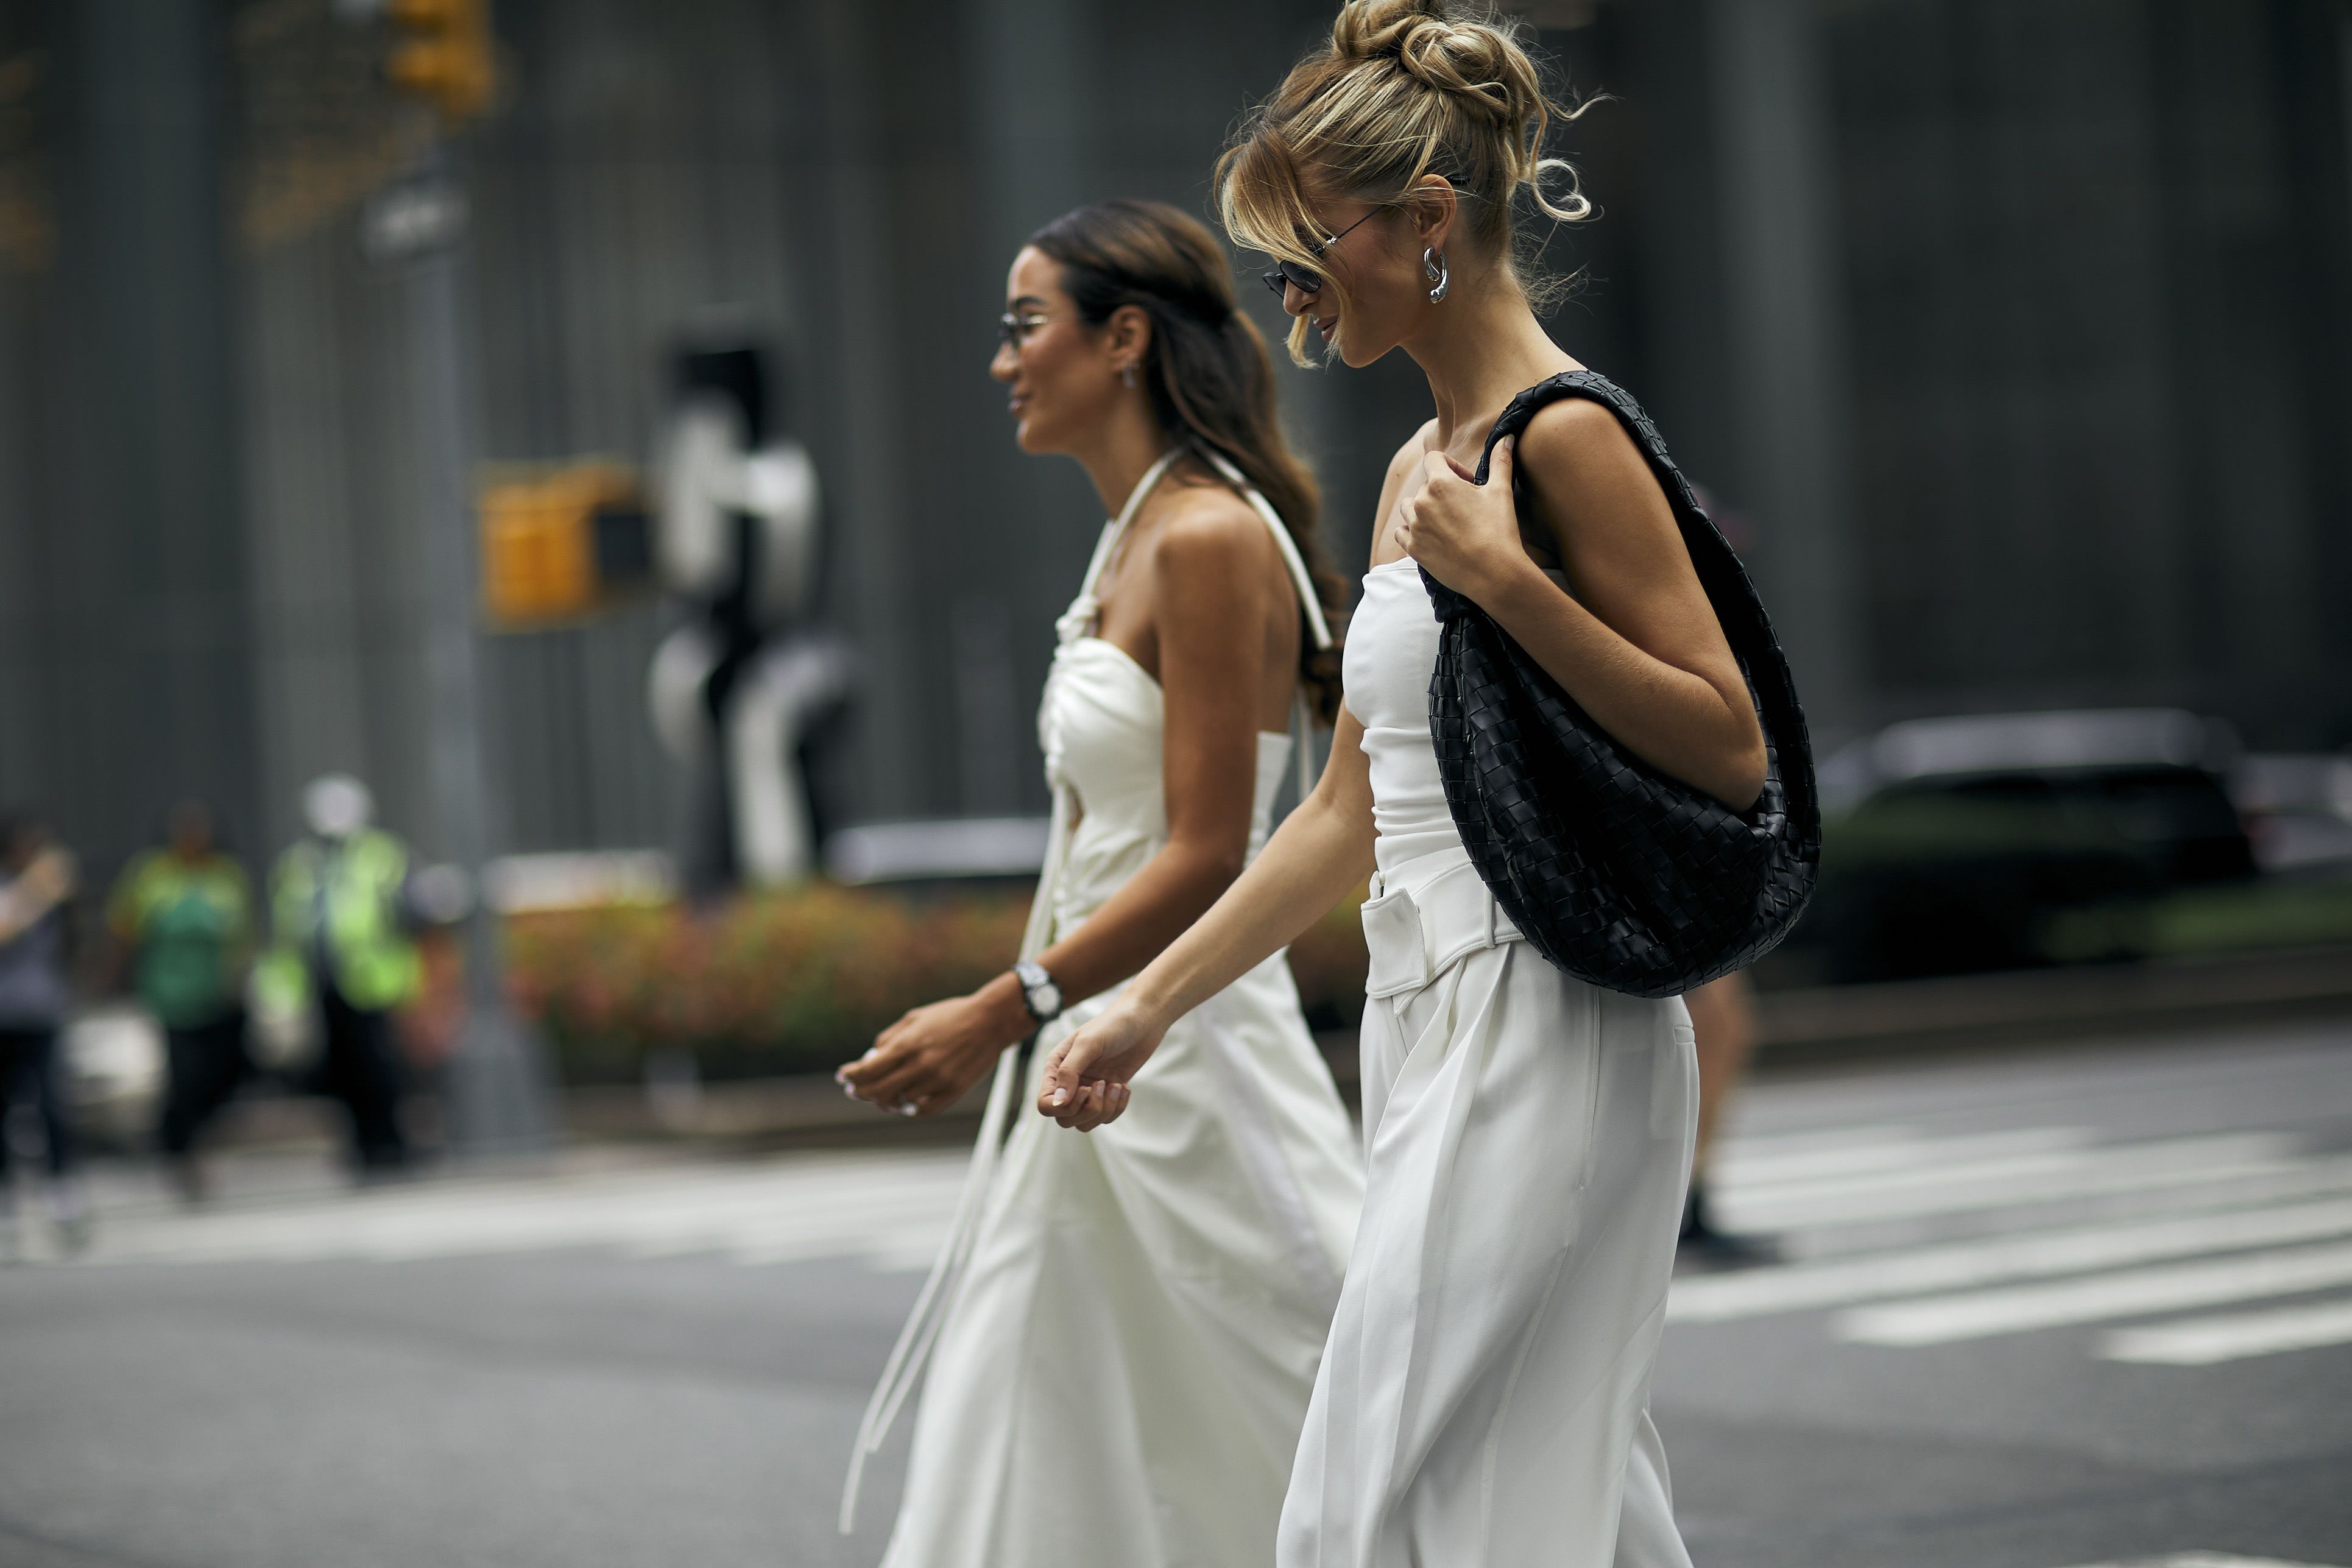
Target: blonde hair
{"x":1404,"y":88}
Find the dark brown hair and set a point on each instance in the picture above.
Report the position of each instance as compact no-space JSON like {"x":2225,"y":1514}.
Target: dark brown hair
{"x":1210,"y":378}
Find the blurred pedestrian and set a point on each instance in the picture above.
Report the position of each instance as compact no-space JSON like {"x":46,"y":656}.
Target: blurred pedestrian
{"x":342,"y":941}
{"x":1723,"y":1017}
{"x":1148,"y":1302}
{"x":182,"y":915}
{"x":1484,"y":1398}
{"x":36,"y":886}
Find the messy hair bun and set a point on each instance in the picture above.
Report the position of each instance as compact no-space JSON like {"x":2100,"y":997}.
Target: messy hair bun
{"x":1404,"y":88}
{"x":1474,"y":60}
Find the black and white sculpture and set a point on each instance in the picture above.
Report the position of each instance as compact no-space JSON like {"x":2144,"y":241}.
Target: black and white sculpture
{"x":737,"y":690}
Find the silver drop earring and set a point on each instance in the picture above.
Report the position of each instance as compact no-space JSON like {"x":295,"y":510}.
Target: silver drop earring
{"x":1127,"y":375}
{"x":1433,"y":265}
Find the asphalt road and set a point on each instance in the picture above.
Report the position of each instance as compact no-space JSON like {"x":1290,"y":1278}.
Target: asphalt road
{"x":2034,"y":1313}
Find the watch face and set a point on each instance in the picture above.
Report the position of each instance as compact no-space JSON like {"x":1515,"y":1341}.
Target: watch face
{"x":1049,"y":998}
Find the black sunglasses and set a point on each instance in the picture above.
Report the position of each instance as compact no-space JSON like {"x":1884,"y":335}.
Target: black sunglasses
{"x":1304,"y":279}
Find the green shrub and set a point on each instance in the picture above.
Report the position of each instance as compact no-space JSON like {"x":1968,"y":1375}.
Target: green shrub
{"x":797,"y":980}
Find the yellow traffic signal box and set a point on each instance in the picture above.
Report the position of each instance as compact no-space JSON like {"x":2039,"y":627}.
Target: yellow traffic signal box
{"x":562,"y":545}
{"x":446,"y":54}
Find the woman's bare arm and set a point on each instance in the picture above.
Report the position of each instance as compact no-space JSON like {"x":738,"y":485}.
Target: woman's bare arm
{"x":45,"y":883}
{"x":1638,"y":646}
{"x":1315,"y":858}
{"x":1211,"y":594}
{"x":1210,"y":584}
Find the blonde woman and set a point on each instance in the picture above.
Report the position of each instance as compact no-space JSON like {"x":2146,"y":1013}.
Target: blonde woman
{"x":1484,"y":1397}
{"x":1138,"y":1314}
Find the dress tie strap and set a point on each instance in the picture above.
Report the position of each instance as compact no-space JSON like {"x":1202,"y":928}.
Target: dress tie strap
{"x":1319,"y":628}
{"x":1299,"y":580}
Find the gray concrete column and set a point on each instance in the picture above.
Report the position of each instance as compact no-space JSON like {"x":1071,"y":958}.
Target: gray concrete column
{"x":1033,"y":118}
{"x":862,"y":426}
{"x":150,"y":695}
{"x":1784,"y":353}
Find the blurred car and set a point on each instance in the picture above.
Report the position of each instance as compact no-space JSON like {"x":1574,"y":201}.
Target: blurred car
{"x":2009,"y":841}
{"x":2299,"y":811}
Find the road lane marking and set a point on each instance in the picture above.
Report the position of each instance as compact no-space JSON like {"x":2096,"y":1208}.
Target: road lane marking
{"x":2128,"y":1293}
{"x":1772,"y":1144}
{"x":2205,"y":1559}
{"x":1748,"y":1169}
{"x":2204,"y":1341}
{"x":2020,"y":1180}
{"x":882,"y":1208}
{"x":1798,"y":1287}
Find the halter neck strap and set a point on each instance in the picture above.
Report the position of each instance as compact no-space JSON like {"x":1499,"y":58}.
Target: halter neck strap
{"x":1116,"y":530}
{"x":1291,"y":559}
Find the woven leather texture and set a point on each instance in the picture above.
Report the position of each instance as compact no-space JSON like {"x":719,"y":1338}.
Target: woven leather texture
{"x":1617,"y":873}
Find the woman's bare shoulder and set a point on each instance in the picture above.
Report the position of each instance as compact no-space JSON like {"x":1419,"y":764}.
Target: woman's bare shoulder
{"x":1209,"y":541}
{"x":1576,"y":435}
{"x":1605,"y":511}
{"x":1206,"y":519}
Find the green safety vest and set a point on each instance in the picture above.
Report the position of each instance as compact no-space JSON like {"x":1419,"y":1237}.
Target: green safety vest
{"x":190,"y":923}
{"x":354,"y":886}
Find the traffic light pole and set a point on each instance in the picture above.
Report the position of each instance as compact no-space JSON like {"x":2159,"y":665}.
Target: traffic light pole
{"x":497,"y":1094}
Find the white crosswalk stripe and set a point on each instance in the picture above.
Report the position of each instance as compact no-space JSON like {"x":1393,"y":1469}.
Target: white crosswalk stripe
{"x":1978,"y":1183}
{"x":1952,"y":1266}
{"x":2201,"y":1342}
{"x":2216,"y":1219}
{"x":1746,"y":1165}
{"x":2121,"y":1293}
{"x":2204,"y":1559}
{"x":889,"y":1210}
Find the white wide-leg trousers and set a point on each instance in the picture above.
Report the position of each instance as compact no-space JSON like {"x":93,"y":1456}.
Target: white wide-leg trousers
{"x":1483,"y":1402}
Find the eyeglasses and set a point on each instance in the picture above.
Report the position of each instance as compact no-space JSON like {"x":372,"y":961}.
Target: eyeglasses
{"x":1304,"y":279}
{"x":1012,"y":331}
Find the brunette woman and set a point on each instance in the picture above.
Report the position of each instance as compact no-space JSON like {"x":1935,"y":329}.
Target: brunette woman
{"x":1140,"y":1312}
{"x":1484,"y":1397}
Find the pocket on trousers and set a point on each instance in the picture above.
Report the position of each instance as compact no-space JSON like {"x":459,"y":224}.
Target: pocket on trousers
{"x":1596,"y":1062}
{"x":1677,"y":1065}
{"x":1394,"y":941}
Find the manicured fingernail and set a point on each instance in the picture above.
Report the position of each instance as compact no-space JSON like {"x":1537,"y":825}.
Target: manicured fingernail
{"x":907,"y":1109}
{"x":848,"y":1091}
{"x":1059,"y":1097}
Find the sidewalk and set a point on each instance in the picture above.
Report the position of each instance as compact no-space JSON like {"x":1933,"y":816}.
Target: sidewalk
{"x":288,"y":1140}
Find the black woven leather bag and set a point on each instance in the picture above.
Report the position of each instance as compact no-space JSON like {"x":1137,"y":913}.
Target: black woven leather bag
{"x":1616,"y":873}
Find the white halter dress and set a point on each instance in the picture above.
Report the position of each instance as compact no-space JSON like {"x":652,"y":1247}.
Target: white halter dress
{"x":1127,"y":1321}
{"x":1483,"y":1400}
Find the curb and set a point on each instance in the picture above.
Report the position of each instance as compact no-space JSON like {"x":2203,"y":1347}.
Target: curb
{"x":2052,"y":1006}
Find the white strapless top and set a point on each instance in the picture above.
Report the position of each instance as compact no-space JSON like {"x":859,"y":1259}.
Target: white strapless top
{"x":1391,"y":652}
{"x":1391,"y":658}
{"x":1102,"y":727}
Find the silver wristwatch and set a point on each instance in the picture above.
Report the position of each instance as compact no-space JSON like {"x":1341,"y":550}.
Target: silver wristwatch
{"x":1038,"y":991}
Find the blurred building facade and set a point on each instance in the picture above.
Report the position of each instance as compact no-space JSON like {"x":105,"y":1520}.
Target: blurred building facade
{"x":2013,"y":331}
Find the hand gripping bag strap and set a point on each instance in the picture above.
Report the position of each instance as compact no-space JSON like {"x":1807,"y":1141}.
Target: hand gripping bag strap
{"x":1616,"y":873}
{"x":913,"y":1349}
